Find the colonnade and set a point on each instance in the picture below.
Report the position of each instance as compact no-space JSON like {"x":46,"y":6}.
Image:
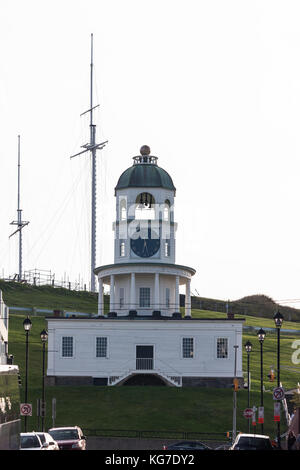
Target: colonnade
{"x":156,"y":302}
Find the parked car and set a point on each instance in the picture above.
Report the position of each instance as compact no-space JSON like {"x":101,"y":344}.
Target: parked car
{"x":48,"y":442}
{"x":30,"y":441}
{"x":187,"y":445}
{"x":252,"y":442}
{"x":68,"y":437}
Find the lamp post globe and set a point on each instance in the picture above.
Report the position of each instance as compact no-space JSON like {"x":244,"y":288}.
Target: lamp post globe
{"x":278,"y":319}
{"x":27,"y":324}
{"x":261,"y":334}
{"x":44,"y":336}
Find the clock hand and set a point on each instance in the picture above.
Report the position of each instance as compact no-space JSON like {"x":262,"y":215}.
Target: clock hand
{"x":145,"y":247}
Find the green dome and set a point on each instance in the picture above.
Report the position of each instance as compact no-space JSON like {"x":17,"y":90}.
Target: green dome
{"x":145,"y":176}
{"x":145,"y":173}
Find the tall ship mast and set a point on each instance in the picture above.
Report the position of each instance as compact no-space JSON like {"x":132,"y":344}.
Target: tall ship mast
{"x":92,"y":147}
{"x":19,"y":222}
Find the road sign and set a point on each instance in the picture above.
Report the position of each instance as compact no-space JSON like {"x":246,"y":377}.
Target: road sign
{"x":25,"y":409}
{"x":261,"y":414}
{"x":277,"y":411}
{"x":248,"y":412}
{"x":278,"y":393}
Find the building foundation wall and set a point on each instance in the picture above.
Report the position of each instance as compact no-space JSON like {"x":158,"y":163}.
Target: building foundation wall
{"x":208,"y":382}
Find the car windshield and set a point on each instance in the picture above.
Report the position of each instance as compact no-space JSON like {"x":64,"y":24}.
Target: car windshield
{"x":42,"y":437}
{"x":254,"y":443}
{"x":28,"y":442}
{"x":64,"y":434}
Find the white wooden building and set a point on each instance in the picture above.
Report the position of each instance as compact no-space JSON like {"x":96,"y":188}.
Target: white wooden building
{"x":4,"y":314}
{"x":144,"y":339}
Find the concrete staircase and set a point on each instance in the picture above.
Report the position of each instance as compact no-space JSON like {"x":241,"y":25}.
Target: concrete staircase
{"x":170,"y":380}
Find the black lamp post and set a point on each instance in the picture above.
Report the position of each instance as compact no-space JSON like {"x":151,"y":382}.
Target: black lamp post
{"x":44,"y":338}
{"x":261,"y":337}
{"x":248,"y":347}
{"x":27,"y":327}
{"x":278,"y":319}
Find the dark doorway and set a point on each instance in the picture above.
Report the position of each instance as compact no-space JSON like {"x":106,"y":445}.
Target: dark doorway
{"x":144,"y":357}
{"x":144,"y":380}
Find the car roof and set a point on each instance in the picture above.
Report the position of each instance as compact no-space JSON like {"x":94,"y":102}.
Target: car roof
{"x":64,"y":427}
{"x":32,"y":433}
{"x":187,"y":442}
{"x":260,"y":436}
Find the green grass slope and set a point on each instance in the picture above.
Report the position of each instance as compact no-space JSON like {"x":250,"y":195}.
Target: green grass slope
{"x":48,"y":297}
{"x":154,"y":408}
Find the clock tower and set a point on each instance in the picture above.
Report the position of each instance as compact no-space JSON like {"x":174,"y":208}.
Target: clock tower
{"x":144,"y":339}
{"x":144,"y":279}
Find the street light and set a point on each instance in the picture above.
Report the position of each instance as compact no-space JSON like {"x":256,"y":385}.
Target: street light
{"x":248,"y":347}
{"x":261,"y":334}
{"x":278,"y":319}
{"x":44,"y":338}
{"x":27,"y":327}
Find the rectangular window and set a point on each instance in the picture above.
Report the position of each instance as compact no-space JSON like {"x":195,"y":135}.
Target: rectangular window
{"x":67,"y":346}
{"x":222,"y":348}
{"x":145,"y":297}
{"x":101,"y":347}
{"x":122,"y":249}
{"x":187,"y":348}
{"x":167,"y":297}
{"x":121,"y":297}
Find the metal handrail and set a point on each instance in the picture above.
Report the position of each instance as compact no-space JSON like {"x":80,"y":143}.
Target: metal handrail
{"x":144,"y":363}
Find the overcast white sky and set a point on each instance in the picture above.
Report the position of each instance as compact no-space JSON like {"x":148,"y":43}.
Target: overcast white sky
{"x":213,"y":87}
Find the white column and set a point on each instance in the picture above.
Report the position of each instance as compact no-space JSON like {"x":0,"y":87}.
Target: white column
{"x":156,"y":292}
{"x":177,"y":299}
{"x":112,"y":293}
{"x":132,"y":292}
{"x":188,"y":298}
{"x":100,"y":297}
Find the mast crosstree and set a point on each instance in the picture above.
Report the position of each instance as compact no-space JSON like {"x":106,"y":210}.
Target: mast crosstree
{"x":92,"y":147}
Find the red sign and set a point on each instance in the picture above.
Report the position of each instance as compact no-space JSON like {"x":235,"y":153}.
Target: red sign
{"x":25,"y":409}
{"x":278,"y":393}
{"x":248,"y":412}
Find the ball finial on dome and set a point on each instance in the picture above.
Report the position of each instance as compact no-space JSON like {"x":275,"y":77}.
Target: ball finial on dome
{"x":145,"y":150}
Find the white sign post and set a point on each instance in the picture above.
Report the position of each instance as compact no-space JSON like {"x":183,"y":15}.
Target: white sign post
{"x":261,"y":414}
{"x":254,"y":416}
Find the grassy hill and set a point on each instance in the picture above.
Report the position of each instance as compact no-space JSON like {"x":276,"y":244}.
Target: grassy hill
{"x":26,"y":295}
{"x":48,"y":297}
{"x":152,"y":408}
{"x":254,"y":305}
{"x":143,"y":408}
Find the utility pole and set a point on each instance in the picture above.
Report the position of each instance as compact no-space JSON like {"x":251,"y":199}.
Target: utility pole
{"x":234,"y":396}
{"x":92,"y":147}
{"x":19,"y":222}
